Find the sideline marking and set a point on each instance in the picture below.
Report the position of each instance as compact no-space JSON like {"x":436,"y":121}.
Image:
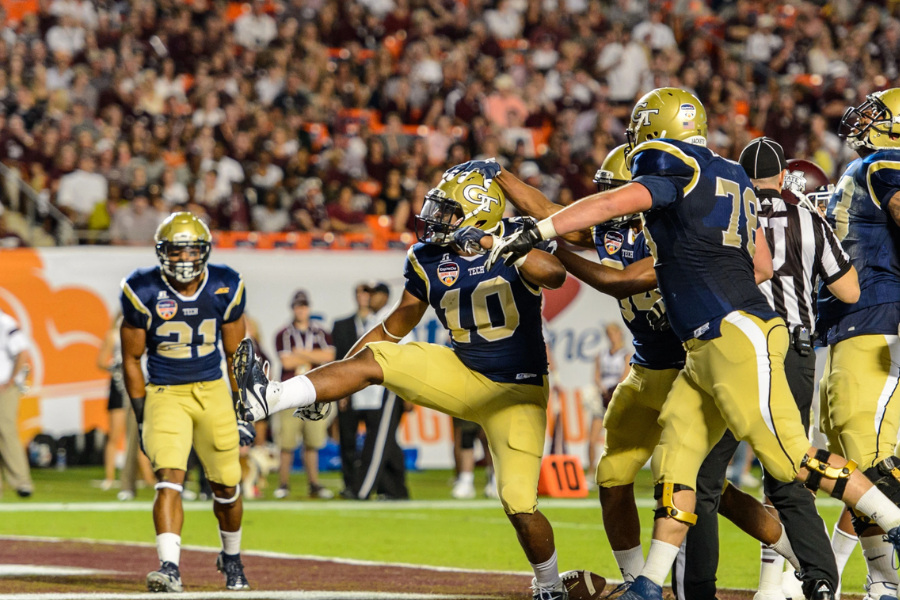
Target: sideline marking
{"x":252,"y":595}
{"x":48,"y":571}
{"x":262,"y":554}
{"x":327,"y":506}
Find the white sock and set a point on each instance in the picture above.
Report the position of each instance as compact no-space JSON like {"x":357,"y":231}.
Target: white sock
{"x":783,"y":547}
{"x":467,"y":477}
{"x":296,"y":392}
{"x":546,"y":574}
{"x":771,"y":570}
{"x":879,"y":560}
{"x":168,"y":547}
{"x":843,"y":545}
{"x":631,"y":562}
{"x":231,"y":541}
{"x":877,"y":507}
{"x":659,"y":561}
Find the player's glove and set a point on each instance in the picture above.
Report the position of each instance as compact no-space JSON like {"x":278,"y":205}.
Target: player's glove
{"x":657,"y":316}
{"x":246,"y":432}
{"x":487,"y":168}
{"x":137,"y":404}
{"x":513,"y":248}
{"x":314,"y":412}
{"x":468,"y":240}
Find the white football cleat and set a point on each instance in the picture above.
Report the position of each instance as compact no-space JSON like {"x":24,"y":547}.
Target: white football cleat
{"x":791,"y":587}
{"x":463,"y":490}
{"x":770,"y":596}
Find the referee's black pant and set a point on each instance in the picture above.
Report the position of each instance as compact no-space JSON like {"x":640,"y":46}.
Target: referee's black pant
{"x":348,"y":426}
{"x":382,"y":470}
{"x":694,"y":575}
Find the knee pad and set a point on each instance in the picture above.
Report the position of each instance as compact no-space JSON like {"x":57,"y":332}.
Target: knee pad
{"x":818,"y":468}
{"x":168,"y":485}
{"x":517,"y":499}
{"x":233,"y":499}
{"x":666,"y":492}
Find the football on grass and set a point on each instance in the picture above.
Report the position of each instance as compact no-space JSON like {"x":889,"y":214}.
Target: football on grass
{"x":583,"y":585}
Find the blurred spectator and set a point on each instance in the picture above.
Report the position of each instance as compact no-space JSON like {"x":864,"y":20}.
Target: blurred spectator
{"x":343,"y":215}
{"x":67,"y":36}
{"x":135,"y":223}
{"x":81,"y":190}
{"x":14,"y":369}
{"x":8,"y":239}
{"x":254,"y":30}
{"x":269,"y":215}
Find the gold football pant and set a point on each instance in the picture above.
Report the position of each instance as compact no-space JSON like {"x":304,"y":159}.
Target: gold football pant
{"x":632,"y":427}
{"x":735,"y":381}
{"x":513,"y":416}
{"x":860,"y":400}
{"x":201,"y":415}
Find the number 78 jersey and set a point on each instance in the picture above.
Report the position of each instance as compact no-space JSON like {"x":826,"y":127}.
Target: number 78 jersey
{"x":701,"y":233}
{"x":494,"y":317}
{"x":183,"y":332}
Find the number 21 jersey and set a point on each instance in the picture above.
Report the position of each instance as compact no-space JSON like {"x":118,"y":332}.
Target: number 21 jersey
{"x":183,"y":332}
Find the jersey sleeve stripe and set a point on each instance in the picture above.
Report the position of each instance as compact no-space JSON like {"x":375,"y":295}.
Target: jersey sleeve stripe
{"x":874,"y":168}
{"x":236,"y":300}
{"x":414,"y":261}
{"x":136,"y":302}
{"x":677,"y":153}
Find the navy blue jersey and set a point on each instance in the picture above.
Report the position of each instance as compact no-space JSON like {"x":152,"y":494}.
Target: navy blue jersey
{"x":618,"y":248}
{"x":183,"y":332}
{"x":858,"y":211}
{"x":494,"y":317}
{"x":701,"y":233}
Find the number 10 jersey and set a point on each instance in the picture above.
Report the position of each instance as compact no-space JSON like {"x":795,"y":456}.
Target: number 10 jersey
{"x":494,"y":317}
{"x":183,"y":332}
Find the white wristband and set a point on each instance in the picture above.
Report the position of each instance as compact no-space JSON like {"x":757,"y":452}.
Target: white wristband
{"x":520,"y":262}
{"x":389,"y":334}
{"x":546,"y":228}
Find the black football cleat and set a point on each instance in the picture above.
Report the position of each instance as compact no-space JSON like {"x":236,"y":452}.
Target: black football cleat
{"x":233,"y":569}
{"x":166,"y":580}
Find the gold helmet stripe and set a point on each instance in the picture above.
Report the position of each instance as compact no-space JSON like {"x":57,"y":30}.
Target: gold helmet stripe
{"x":874,"y":168}
{"x":674,"y":151}
{"x":414,"y":261}
{"x":236,"y":300}
{"x":136,"y":302}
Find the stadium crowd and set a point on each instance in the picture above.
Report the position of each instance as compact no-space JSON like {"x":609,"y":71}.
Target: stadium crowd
{"x":309,"y":115}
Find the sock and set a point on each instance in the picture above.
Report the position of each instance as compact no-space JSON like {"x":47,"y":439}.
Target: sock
{"x":770,"y":570}
{"x":783,"y":547}
{"x":843,"y":545}
{"x":546,"y":574}
{"x":879,"y":560}
{"x":231,"y":542}
{"x":630,"y":562}
{"x":877,"y":507}
{"x":168,"y":547}
{"x":659,"y":561}
{"x":296,"y":392}
{"x":465,"y":477}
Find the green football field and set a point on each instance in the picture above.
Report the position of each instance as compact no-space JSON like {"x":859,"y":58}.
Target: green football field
{"x":433,"y":529}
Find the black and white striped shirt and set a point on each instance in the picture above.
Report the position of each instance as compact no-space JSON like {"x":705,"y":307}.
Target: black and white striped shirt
{"x":804,"y":252}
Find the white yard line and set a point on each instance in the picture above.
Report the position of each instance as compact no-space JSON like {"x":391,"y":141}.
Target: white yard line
{"x":252,"y":595}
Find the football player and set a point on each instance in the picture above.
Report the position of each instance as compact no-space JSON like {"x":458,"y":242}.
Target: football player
{"x":178,"y":313}
{"x":495,"y":374}
{"x":626,"y":273}
{"x":699,"y":221}
{"x":859,"y":397}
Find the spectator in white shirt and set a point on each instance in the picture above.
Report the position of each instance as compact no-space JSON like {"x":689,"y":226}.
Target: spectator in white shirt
{"x":82,"y":12}
{"x":654,"y":34}
{"x":207,"y":193}
{"x":762,"y":43}
{"x":81,"y":191}
{"x":624,"y":63}
{"x":255,"y":30}
{"x":173,"y":191}
{"x":269,"y":215}
{"x":135,"y":224}
{"x":505,"y":23}
{"x":266,"y":175}
{"x":60,"y":75}
{"x":210,"y":115}
{"x":229,"y":170}
{"x":67,"y":36}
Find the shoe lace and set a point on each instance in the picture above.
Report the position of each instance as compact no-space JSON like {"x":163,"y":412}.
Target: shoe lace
{"x":234,"y":568}
{"x":893,"y":537}
{"x":620,"y":589}
{"x":170,"y":569}
{"x":266,"y":368}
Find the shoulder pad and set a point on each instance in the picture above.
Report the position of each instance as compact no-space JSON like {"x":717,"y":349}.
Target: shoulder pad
{"x":882,"y":174}
{"x":663,"y":158}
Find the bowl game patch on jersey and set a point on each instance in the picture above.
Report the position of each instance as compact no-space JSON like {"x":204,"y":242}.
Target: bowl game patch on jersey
{"x":166,"y":308}
{"x":613,"y":241}
{"x":448,"y":273}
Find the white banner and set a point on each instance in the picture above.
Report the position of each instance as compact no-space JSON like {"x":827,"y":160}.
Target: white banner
{"x":64,"y":299}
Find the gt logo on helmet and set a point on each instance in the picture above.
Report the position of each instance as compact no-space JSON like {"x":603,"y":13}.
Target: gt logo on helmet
{"x":641,"y":115}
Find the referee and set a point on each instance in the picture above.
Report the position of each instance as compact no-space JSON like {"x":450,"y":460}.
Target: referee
{"x":804,"y":251}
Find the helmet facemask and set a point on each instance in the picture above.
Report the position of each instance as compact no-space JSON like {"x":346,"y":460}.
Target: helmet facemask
{"x":440,"y":216}
{"x":605,"y":181}
{"x":183,"y":271}
{"x":858,"y":121}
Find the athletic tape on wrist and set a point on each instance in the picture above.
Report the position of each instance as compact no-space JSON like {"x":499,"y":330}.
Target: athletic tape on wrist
{"x":546,"y":229}
{"x":237,"y":494}
{"x":169,"y":485}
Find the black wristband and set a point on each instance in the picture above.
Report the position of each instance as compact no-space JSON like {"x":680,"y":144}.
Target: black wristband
{"x":138,"y":405}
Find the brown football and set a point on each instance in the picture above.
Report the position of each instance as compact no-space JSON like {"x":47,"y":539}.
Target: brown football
{"x":583,"y":585}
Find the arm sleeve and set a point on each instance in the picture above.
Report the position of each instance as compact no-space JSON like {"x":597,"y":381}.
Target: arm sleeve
{"x":134,"y":311}
{"x":416,"y":283}
{"x":833,"y":262}
{"x":665,"y":170}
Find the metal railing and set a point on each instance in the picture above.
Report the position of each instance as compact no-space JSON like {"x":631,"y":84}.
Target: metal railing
{"x":36,"y":207}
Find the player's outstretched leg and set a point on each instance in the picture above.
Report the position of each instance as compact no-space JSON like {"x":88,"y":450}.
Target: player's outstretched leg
{"x":168,"y":518}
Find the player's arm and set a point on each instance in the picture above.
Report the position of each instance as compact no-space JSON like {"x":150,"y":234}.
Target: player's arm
{"x":597,"y":208}
{"x":531,"y":202}
{"x":401,"y":320}
{"x":846,"y":288}
{"x":636,"y":278}
{"x":134,"y":342}
{"x":763,"y":268}
{"x":894,"y":207}
{"x":232,"y":334}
